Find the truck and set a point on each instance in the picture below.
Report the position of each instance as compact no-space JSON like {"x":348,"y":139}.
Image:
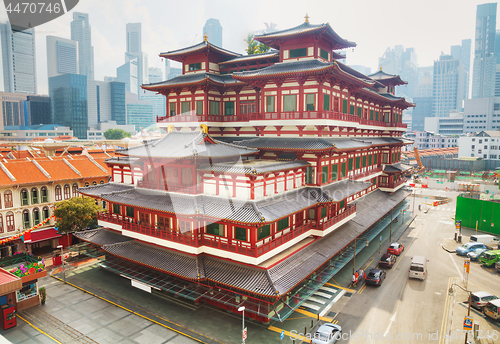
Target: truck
{"x":489,"y":240}
{"x":489,"y":258}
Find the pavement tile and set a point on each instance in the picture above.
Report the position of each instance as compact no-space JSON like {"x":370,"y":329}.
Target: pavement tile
{"x":144,"y":337}
{"x":181,"y":340}
{"x":129,"y":325}
{"x":15,"y":336}
{"x":105,"y":336}
{"x":160,"y":331}
{"x":85,"y":325}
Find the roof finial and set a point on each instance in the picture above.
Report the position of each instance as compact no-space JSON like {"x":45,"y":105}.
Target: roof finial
{"x":205,"y":37}
{"x":380,"y":67}
{"x":307,"y":18}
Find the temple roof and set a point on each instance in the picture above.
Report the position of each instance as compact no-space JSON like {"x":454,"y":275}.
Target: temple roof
{"x":278,"y":279}
{"x":101,"y":236}
{"x":387,"y":96}
{"x":396,"y":168}
{"x":192,"y":79}
{"x":181,"y":145}
{"x":177,"y":55}
{"x":386,"y":78}
{"x":252,"y":57}
{"x":337,"y":42}
{"x":254,"y":167}
{"x":220,"y":208}
{"x":310,"y":67}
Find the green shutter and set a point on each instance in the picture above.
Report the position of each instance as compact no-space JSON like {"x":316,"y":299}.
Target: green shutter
{"x":324,"y":175}
{"x":215,"y":229}
{"x":283,"y":223}
{"x":343,"y":171}
{"x":369,"y":160}
{"x":374,"y":181}
{"x":323,"y":212}
{"x":326,"y":102}
{"x":351,"y":109}
{"x":364,"y":161}
{"x":360,"y":112}
{"x":301,"y":52}
{"x":376,"y":115}
{"x":310,"y":102}
{"x":358,"y":159}
{"x":310,"y":175}
{"x":229,"y":108}
{"x":289,"y":102}
{"x":344,"y":105}
{"x":199,"y":107}
{"x":375,"y":159}
{"x":116,"y":209}
{"x":342,"y":204}
{"x":240,"y":233}
{"x":334,"y":172}
{"x":371,"y":115}
{"x":270,"y":104}
{"x":263,"y":232}
{"x":130,"y":212}
{"x":350,"y":164}
{"x":312,"y":214}
{"x":324,"y":54}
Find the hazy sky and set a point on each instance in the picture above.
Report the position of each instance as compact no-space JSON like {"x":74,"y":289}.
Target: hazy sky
{"x":430,"y":26}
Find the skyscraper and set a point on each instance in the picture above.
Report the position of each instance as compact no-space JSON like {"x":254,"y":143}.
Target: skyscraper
{"x":213,"y":29}
{"x":134,"y":51}
{"x":105,"y":102}
{"x":81,"y":32}
{"x":128,"y":74}
{"x":18,"y":59}
{"x":483,"y":79}
{"x":462,"y":53}
{"x":62,"y":56}
{"x":399,"y":61}
{"x":448,"y":93}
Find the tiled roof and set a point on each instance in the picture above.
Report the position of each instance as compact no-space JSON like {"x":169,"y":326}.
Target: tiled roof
{"x":193,"y":79}
{"x":196,"y":48}
{"x":344,"y":188}
{"x":383,"y":76}
{"x":287,"y":68}
{"x":399,"y":167}
{"x":379,"y":140}
{"x":101,"y":236}
{"x":267,"y":55}
{"x":107,"y":188}
{"x":278,"y":279}
{"x":178,"y":145}
{"x":244,"y":167}
{"x":305,"y":29}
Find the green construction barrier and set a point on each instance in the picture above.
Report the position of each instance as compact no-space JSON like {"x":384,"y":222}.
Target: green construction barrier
{"x":485,"y":213}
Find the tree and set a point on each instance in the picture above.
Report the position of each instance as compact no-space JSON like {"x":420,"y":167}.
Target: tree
{"x":254,"y":47}
{"x":76,"y":214}
{"x":116,"y":134}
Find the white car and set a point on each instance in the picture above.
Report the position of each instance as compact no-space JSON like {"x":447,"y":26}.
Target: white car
{"x":327,"y":334}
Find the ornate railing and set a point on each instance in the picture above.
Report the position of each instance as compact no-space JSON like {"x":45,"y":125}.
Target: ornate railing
{"x":366,"y":173}
{"x":392,"y":185}
{"x":350,"y":209}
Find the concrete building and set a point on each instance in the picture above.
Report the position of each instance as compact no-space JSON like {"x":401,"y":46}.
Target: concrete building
{"x":128,"y":74}
{"x":485,"y":144}
{"x":81,"y":32}
{"x":448,"y":84}
{"x":423,"y":101}
{"x":37,"y":110}
{"x":429,"y":140}
{"x":28,"y":133}
{"x":62,"y":56}
{"x":139,"y":112}
{"x":18,"y":59}
{"x":106,"y":102}
{"x":481,"y":114}
{"x":134,"y":52}
{"x":453,"y":125}
{"x":68,"y":94}
{"x":462,"y":53}
{"x":213,"y":30}
{"x":12,"y":106}
{"x":483,"y":79}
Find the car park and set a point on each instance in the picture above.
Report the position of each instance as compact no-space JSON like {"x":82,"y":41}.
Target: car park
{"x":469,"y":247}
{"x":375,"y":276}
{"x":474,"y":255}
{"x":327,"y":334}
{"x":479,"y":299}
{"x":396,"y":249}
{"x":387,"y":260}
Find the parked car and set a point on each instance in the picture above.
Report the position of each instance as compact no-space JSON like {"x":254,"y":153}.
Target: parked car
{"x":474,"y":255}
{"x":490,"y":257}
{"x":327,"y":334}
{"x":396,"y":248}
{"x":492,"y":309}
{"x":469,"y":247}
{"x":375,"y":276}
{"x":387,"y":260}
{"x":479,"y":299}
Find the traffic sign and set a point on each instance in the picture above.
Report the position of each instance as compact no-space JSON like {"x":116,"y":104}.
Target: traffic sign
{"x":245,"y":333}
{"x":468,"y":322}
{"x":282,"y":334}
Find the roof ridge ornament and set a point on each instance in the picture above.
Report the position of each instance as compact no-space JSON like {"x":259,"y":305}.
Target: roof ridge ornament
{"x":380,"y":67}
{"x":205,"y":37}
{"x":306,"y":18}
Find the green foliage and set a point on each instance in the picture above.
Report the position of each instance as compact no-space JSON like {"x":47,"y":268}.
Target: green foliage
{"x":76,"y":214}
{"x":116,"y":134}
{"x":43,"y":294}
{"x":254,"y":47}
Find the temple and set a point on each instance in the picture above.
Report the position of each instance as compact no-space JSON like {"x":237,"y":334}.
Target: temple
{"x":248,"y":198}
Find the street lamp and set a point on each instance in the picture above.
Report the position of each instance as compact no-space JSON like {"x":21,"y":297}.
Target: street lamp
{"x":242,"y":309}
{"x":450,"y":293}
{"x":62,"y":257}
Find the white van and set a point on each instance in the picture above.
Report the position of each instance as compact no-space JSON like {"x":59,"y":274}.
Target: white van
{"x":418,"y":267}
{"x":488,"y":240}
{"x":492,"y":309}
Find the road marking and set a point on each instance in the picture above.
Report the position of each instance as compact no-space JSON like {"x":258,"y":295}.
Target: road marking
{"x":362,"y":289}
{"x":455,"y":263}
{"x":371,"y":261}
{"x":445,"y":313}
{"x":327,"y":308}
{"x":312,"y":315}
{"x":337,"y":286}
{"x":36,"y":328}
{"x":330,"y":290}
{"x":295,"y":335}
{"x":392,"y":319}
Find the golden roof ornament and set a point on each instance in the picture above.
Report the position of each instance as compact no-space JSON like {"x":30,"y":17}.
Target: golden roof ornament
{"x":307,"y":18}
{"x":205,"y":37}
{"x":380,"y":67}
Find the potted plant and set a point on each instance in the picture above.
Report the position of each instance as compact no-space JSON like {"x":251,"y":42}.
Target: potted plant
{"x":43,"y":294}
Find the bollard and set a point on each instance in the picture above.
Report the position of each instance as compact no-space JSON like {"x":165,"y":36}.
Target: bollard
{"x":456,"y":234}
{"x":476,"y":331}
{"x":312,"y":323}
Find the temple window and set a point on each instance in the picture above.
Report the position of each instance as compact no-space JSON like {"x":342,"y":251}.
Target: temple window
{"x":172,"y":109}
{"x":130,"y":212}
{"x":301,"y":52}
{"x":199,"y":107}
{"x":263,"y":232}
{"x":283,"y":224}
{"x":324,"y":54}
{"x":310,"y":102}
{"x":240,"y":233}
{"x":214,"y":108}
{"x":312,"y":214}
{"x":344,"y":105}
{"x":194,"y":66}
{"x":270,"y":103}
{"x":324,"y":211}
{"x":215,"y":229}
{"x":326,"y":102}
{"x":290,"y":102}
{"x":229,"y":108}
{"x":116,"y":209}
{"x":185,"y":108}
{"x":309,"y":175}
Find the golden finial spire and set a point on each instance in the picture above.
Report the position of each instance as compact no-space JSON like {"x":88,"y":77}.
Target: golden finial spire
{"x":205,"y":37}
{"x":307,"y":18}
{"x":380,"y":67}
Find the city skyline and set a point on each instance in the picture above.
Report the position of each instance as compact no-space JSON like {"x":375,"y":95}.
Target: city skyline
{"x":108,"y":22}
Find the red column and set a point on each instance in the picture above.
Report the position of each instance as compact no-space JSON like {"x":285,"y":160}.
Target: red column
{"x":278,"y":101}
{"x":301,"y":97}
{"x":318,"y":171}
{"x":217,"y":185}
{"x":276,"y":183}
{"x":179,"y":176}
{"x":121,"y":172}
{"x":234,"y":185}
{"x":252,"y":187}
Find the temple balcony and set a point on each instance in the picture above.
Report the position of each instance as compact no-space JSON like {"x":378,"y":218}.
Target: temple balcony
{"x":334,"y":118}
{"x":367,"y":175}
{"x":392,"y":186}
{"x":255,"y":253}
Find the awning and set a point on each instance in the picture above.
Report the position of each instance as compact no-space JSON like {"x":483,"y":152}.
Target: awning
{"x":9,"y":282}
{"x":41,"y":235}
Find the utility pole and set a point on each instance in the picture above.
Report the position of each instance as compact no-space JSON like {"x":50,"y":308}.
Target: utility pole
{"x":390,"y":233}
{"x":354,"y":260}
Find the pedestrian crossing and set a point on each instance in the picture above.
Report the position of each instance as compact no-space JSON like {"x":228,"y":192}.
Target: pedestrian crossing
{"x":321,"y":298}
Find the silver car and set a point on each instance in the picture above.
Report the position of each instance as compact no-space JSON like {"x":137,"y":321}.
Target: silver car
{"x":327,"y":334}
{"x":474,"y":255}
